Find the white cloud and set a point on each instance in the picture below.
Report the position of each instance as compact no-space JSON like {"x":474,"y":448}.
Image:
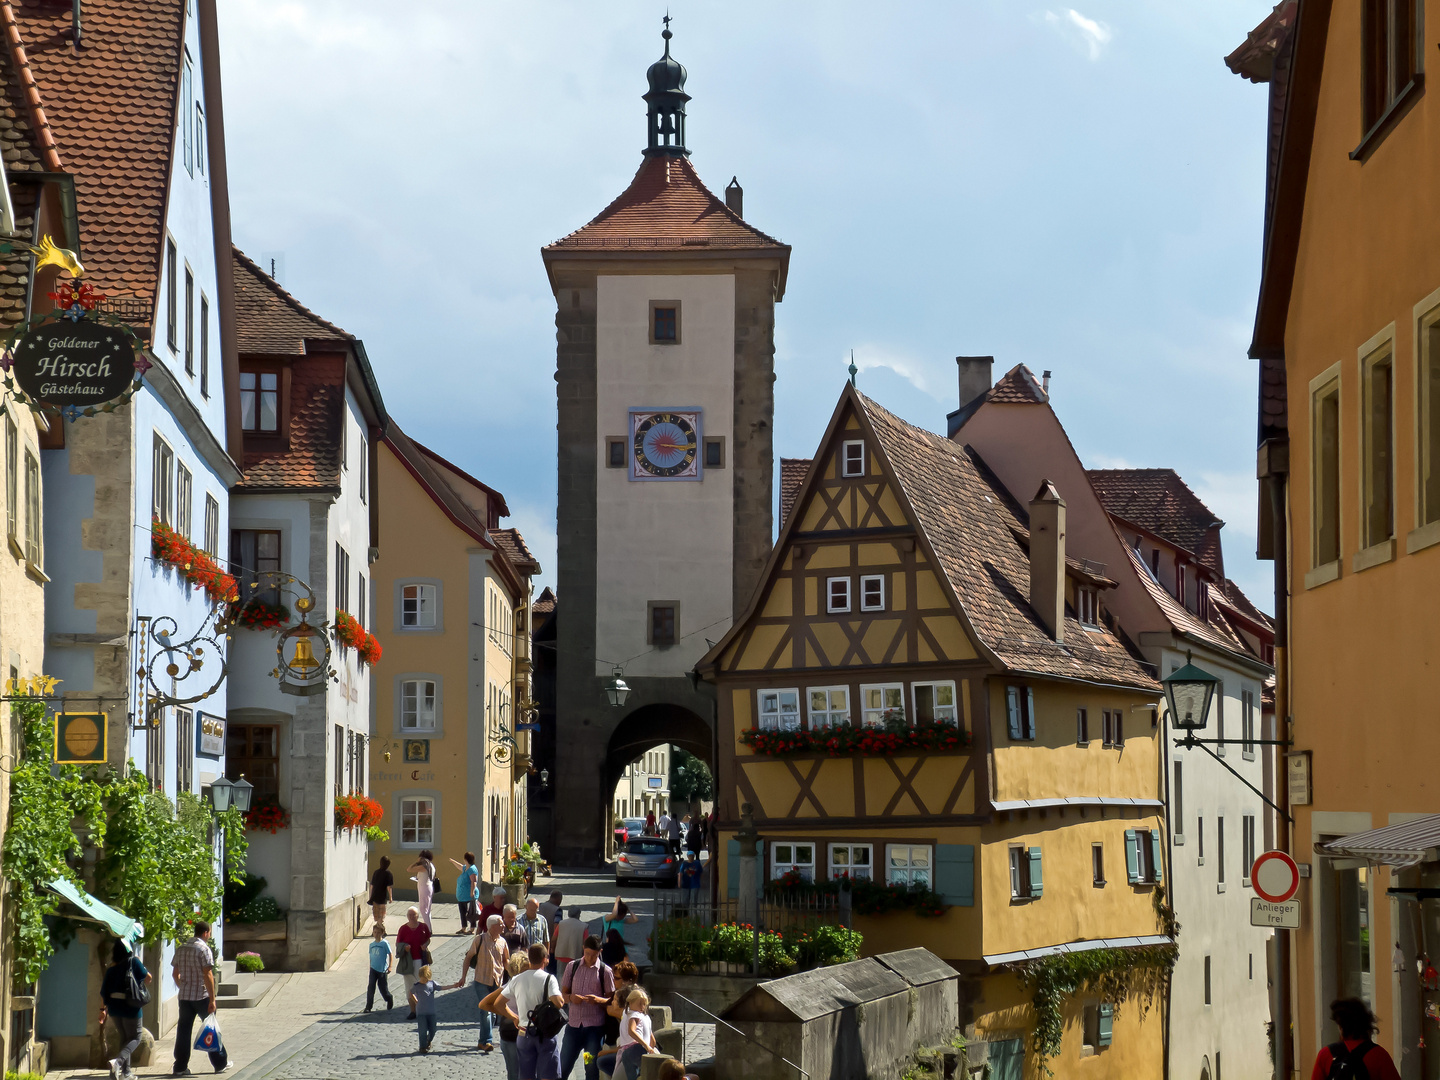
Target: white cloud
{"x":1090,"y":35}
{"x":917,"y":373}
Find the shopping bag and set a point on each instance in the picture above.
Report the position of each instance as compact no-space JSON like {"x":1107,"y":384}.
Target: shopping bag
{"x":209,"y":1037}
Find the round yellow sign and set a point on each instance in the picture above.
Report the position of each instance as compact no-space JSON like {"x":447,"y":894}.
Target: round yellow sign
{"x":81,"y":737}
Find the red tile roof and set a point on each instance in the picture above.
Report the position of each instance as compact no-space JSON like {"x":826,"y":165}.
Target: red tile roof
{"x":423,"y":468}
{"x":271,"y":322}
{"x":1254,"y":57}
{"x":792,"y":476}
{"x":513,"y":545}
{"x":1162,"y":504}
{"x":18,"y":147}
{"x":544,"y":603}
{"x":667,"y":206}
{"x":111,"y":106}
{"x":1018,"y":387}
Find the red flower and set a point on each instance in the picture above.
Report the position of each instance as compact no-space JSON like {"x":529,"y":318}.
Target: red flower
{"x":195,"y":566}
{"x":349,"y":633}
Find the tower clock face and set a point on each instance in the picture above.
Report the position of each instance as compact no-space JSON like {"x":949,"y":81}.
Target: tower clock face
{"x":664,"y":444}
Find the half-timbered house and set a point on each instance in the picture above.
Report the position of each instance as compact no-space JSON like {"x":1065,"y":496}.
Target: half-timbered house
{"x":908,"y":702}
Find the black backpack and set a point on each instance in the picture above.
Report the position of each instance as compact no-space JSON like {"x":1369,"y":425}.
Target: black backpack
{"x":547,"y":1020}
{"x":1349,"y":1064}
{"x":131,"y":992}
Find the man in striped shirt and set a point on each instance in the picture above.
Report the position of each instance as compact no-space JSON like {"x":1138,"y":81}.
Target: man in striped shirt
{"x":588,"y":984}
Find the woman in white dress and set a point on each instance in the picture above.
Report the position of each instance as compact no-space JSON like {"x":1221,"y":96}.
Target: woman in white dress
{"x":425,"y":877}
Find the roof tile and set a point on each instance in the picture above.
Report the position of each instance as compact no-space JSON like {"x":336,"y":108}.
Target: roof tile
{"x":792,"y":477}
{"x":1162,"y":504}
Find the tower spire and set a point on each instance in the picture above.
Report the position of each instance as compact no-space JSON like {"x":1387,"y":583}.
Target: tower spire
{"x":666,"y":99}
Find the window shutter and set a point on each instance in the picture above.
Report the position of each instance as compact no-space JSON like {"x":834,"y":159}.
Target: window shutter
{"x":732,"y":867}
{"x":1029,"y":712}
{"x":1037,"y":883}
{"x":955,"y":874}
{"x":1155,"y":859}
{"x":1012,"y":706}
{"x":1132,"y":856}
{"x":1107,"y":1023}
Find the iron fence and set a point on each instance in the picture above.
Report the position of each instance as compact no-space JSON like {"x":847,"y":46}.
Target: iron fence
{"x":717,"y":937}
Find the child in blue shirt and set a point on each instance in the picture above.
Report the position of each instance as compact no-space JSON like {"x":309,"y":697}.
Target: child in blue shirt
{"x":382,"y":957}
{"x":690,"y":872}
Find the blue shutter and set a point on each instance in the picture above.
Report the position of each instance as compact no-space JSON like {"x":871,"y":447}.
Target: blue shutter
{"x":1037,"y":881}
{"x":1107,"y":1023}
{"x":1012,"y":708}
{"x":1155,"y":859}
{"x":1132,"y":857}
{"x":955,"y":874}
{"x":1029,"y":712}
{"x":732,"y":867}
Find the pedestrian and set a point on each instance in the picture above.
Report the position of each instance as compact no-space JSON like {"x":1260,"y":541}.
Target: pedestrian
{"x":695,"y":837}
{"x":650,"y":828}
{"x":382,"y":957}
{"x":413,"y":946}
{"x":467,"y":891}
{"x":613,"y":950}
{"x":620,"y":915}
{"x":495,"y":907}
{"x":672,"y":834}
{"x":627,"y":975}
{"x":1354,"y":1055}
{"x":382,"y":890}
{"x":539,"y":1056}
{"x":422,"y":1007}
{"x":551,"y":910}
{"x":535,"y":926}
{"x":487,"y":956}
{"x":495,"y":1004}
{"x":635,"y":1038}
{"x":117,"y":1001}
{"x":425,"y":886}
{"x":588,"y":985}
{"x":690,"y":872}
{"x":515,"y":937}
{"x":193,"y":968}
{"x":662,"y":823}
{"x":569,"y":937}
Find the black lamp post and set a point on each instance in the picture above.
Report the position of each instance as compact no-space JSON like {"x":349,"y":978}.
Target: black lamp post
{"x":1188,"y":691}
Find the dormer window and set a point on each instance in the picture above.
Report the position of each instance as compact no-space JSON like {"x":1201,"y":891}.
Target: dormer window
{"x":1087,"y":605}
{"x":260,"y":401}
{"x":852,"y":459}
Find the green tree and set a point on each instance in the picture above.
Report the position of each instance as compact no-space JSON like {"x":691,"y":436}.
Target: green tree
{"x":690,"y":777}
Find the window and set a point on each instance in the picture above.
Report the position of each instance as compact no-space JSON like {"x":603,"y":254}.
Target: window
{"x":1020,"y":712}
{"x":189,"y":322}
{"x":417,"y":705}
{"x":882,"y":702}
{"x":1200,"y":840}
{"x":417,"y":822}
{"x":212,"y":525}
{"x":1099,"y":1027}
{"x":362,"y":608}
{"x":184,"y":484}
{"x":364,"y":473}
{"x":1387,"y":61}
{"x":1207,"y":980}
{"x":1247,"y":724}
{"x":1113,"y":728}
{"x":418,"y":606}
{"x":664,"y":322}
{"x":614,"y":452}
{"x":342,"y":579}
{"x":185,"y":747}
{"x":1177,"y":806}
{"x":1082,"y":727}
{"x":339,"y":759}
{"x":253,"y":750}
{"x":155,"y":749}
{"x":1097,"y":865}
{"x":199,"y":140}
{"x":1142,"y":856}
{"x":172,"y":315}
{"x":797,"y":857}
{"x":829,"y":706}
{"x":1088,"y":605}
{"x":1429,"y":389}
{"x":935,"y":703}
{"x":850,"y":860}
{"x":1025,"y":875}
{"x":1220,"y":717}
{"x":1325,"y":474}
{"x":162,"y":479}
{"x":345,"y":441}
{"x":714,"y":451}
{"x":1247,"y":846}
{"x":260,"y":401}
{"x":662,"y":623}
{"x":872,"y":592}
{"x":907,"y":864}
{"x":1377,"y":438}
{"x":1180,"y":581}
{"x":187,"y":106}
{"x":1155,"y":563}
{"x":852,"y":458}
{"x":1220,"y":853}
{"x":779,"y":710}
{"x":204,"y":346}
{"x":12,"y":477}
{"x":254,"y":560}
{"x":33,"y":540}
{"x":837,"y":593}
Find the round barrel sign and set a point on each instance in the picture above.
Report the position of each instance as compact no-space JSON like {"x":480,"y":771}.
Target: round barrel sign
{"x":74,"y":363}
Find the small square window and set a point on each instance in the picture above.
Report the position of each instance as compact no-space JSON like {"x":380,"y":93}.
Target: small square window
{"x":1088,"y":603}
{"x":662,"y":623}
{"x":797,"y":857}
{"x":779,"y":710}
{"x":1097,"y":865}
{"x":714,"y":451}
{"x":664,"y":322}
{"x":417,"y":606}
{"x":614,"y":452}
{"x":837,"y":592}
{"x":881,"y":702}
{"x":852,"y":462}
{"x":850,"y":860}
{"x":872,"y":592}
{"x":829,"y":706}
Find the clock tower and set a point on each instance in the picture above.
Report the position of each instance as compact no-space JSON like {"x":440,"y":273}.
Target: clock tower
{"x":665,"y":315}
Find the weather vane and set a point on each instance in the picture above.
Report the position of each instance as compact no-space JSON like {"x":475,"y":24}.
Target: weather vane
{"x":853,"y":369}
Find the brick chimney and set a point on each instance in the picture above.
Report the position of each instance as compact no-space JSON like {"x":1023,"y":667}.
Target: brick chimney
{"x":974,"y":376}
{"x":735,"y":197}
{"x":1047,"y":558}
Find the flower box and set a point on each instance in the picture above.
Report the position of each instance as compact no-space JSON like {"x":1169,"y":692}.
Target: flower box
{"x":258,"y":615}
{"x":847,"y":740}
{"x":349,"y":633}
{"x":170,"y":548}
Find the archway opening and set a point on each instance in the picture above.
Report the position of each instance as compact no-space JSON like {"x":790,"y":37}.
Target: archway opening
{"x":649,"y":748}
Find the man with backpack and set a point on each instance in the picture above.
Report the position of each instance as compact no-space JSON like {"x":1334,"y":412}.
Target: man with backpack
{"x":533,"y":1002}
{"x":124,"y":992}
{"x":1354,"y":1057}
{"x":588,"y":984}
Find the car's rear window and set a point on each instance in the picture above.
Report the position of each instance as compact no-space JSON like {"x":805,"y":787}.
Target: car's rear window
{"x":646,"y":847}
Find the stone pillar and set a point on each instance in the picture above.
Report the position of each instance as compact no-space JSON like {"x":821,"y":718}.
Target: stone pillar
{"x":748,"y":907}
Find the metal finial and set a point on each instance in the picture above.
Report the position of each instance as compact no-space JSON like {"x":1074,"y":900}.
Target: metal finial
{"x":666,"y":32}
{"x":853,"y":369}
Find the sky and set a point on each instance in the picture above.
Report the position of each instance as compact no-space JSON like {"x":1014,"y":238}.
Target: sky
{"x":1077,"y":190}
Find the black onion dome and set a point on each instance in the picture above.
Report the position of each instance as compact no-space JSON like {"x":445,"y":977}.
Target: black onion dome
{"x":667,"y":74}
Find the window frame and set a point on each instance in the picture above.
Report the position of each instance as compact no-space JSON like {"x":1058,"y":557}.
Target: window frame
{"x":1427,"y":424}
{"x":717,"y":441}
{"x":1097,"y":864}
{"x":663,"y":305}
{"x":652,"y":610}
{"x":1024,"y":859}
{"x":912,"y":869}
{"x":1325,"y":465}
{"x":189,"y":321}
{"x":1390,"y":69}
{"x":204,"y":345}
{"x":34,"y":531}
{"x":212,"y":526}
{"x":831,"y":608}
{"x":363,"y":472}
{"x":184,"y":499}
{"x":1082,"y":726}
{"x":1377,"y":463}
{"x":828,"y":712}
{"x":1020,"y":713}
{"x":172,"y":298}
{"x":1177,"y":806}
{"x":850,"y":850}
{"x":184,"y":749}
{"x":419,"y":681}
{"x":342,"y":579}
{"x":162,"y":475}
{"x":845,"y":458}
{"x":436,"y":624}
{"x":885,"y":690}
{"x":1247,"y":724}
{"x":779,"y":867}
{"x":761,"y":712}
{"x":239,"y":763}
{"x":247,"y":564}
{"x":867,"y":580}
{"x":1087,"y":603}
{"x":12,"y":480}
{"x":1220,"y":853}
{"x":1247,"y":847}
{"x":187,"y":112}
{"x":417,"y":842}
{"x":935,"y":685}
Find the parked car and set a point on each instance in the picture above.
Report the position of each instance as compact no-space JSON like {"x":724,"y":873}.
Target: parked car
{"x":647,"y":858}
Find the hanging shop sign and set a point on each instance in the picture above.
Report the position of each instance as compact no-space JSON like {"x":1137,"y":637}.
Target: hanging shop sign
{"x":80,"y":738}
{"x":76,"y":361}
{"x":212,"y":735}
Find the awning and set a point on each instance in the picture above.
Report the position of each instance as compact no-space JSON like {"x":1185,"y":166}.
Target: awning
{"x":118,"y":923}
{"x":997,"y":959}
{"x":1406,"y":844}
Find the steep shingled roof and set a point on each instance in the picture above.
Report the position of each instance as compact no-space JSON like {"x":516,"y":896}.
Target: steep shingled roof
{"x":18,"y":147}
{"x":544,"y":604}
{"x":516,"y":550}
{"x":271,"y":322}
{"x":1018,"y":387}
{"x":422,"y":466}
{"x":792,"y":476}
{"x":1162,"y":504}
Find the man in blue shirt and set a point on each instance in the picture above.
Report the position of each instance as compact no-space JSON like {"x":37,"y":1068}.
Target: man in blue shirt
{"x":690,"y":872}
{"x":382,"y":956}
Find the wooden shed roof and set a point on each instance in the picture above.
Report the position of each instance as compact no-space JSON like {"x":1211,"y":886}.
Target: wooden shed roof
{"x":810,"y":995}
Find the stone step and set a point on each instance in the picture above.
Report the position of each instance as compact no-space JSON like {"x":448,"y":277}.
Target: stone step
{"x":247,"y":991}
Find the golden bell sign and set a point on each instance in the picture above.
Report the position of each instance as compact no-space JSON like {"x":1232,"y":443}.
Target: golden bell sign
{"x":80,"y":738}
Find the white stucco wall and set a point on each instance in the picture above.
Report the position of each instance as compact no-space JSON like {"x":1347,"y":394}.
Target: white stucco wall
{"x":663,"y":540}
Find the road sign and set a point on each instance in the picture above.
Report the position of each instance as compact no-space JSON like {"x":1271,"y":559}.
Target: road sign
{"x":1284,"y":916}
{"x":1274,"y":877}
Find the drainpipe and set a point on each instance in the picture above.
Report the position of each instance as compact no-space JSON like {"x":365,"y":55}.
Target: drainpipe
{"x":1284,"y":1045}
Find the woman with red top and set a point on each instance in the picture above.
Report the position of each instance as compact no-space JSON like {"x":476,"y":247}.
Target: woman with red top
{"x":1356,"y":1023}
{"x":415,"y":936}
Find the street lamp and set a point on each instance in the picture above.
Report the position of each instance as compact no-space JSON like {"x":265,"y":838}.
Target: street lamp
{"x":1188,"y":692}
{"x":544,"y":779}
{"x":220,"y":792}
{"x":616,"y":689}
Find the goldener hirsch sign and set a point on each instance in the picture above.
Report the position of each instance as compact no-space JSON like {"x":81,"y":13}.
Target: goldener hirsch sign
{"x":74,"y":363}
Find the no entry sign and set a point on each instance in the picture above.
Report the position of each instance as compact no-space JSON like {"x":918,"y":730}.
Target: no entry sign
{"x":1275,"y":877}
